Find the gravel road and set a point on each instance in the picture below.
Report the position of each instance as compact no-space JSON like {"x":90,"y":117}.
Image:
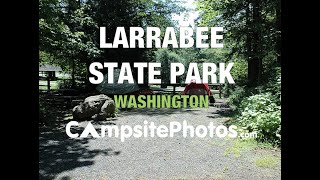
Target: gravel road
{"x":148,"y":158}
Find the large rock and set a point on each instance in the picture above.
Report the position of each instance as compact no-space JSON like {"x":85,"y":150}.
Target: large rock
{"x":97,"y":107}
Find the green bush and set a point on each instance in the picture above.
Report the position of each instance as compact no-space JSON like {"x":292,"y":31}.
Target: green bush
{"x":240,"y":71}
{"x":46,"y":112}
{"x":274,"y":86}
{"x":67,"y":84}
{"x":236,"y":96}
{"x":260,"y":113}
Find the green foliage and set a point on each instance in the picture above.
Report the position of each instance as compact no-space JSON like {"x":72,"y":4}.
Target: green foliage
{"x":261,"y":114}
{"x":165,"y":57}
{"x":258,"y":108}
{"x":214,"y":55}
{"x":69,"y":30}
{"x":45,"y":57}
{"x":240,"y":146}
{"x":274,"y":85}
{"x":46,"y":112}
{"x":240,"y":71}
{"x":251,"y":30}
{"x":267,"y":161}
{"x":65,"y":84}
{"x":236,"y":96}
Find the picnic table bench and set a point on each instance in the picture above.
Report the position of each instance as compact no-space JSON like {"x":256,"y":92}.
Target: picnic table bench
{"x":216,"y":88}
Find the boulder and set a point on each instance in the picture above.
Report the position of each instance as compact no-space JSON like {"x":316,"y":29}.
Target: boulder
{"x":98,"y":107}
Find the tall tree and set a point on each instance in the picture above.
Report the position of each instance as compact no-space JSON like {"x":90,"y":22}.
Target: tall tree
{"x":69,"y":30}
{"x":252,"y":29}
{"x":135,"y":13}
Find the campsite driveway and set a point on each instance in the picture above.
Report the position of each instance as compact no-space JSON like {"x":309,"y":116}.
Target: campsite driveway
{"x":151,"y":158}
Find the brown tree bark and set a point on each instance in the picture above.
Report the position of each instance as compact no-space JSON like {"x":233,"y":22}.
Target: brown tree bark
{"x":278,"y":28}
{"x":255,"y":62}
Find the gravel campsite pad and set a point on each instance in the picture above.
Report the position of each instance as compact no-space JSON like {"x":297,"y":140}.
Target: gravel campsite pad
{"x":153,"y":157}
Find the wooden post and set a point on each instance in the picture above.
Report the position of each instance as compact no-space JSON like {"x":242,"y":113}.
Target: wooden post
{"x":220,"y":93}
{"x":48,"y":81}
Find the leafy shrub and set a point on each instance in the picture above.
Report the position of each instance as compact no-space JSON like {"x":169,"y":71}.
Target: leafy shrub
{"x":240,"y":70}
{"x":236,"y":96}
{"x":274,"y":86}
{"x":65,"y":84}
{"x":46,"y":112}
{"x":260,"y":113}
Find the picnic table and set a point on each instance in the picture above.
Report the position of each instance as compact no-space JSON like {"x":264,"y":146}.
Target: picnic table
{"x":215,"y":89}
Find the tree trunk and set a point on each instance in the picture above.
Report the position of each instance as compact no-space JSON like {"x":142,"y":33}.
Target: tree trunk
{"x":278,"y":28}
{"x":89,"y":86}
{"x":249,"y":41}
{"x":73,"y":85}
{"x":165,"y":74}
{"x":48,"y":81}
{"x":255,"y":63}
